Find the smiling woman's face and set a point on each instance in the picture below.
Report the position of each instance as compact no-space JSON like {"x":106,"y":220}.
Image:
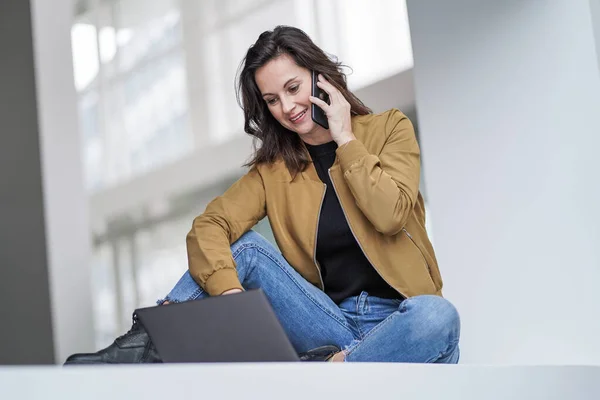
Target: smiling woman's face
{"x":285,"y":87}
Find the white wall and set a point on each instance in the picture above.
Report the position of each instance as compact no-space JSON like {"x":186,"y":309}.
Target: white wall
{"x":508,"y":99}
{"x":595,"y":8}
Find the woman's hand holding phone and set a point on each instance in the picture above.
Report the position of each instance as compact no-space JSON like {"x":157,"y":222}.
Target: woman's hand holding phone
{"x":337,"y":112}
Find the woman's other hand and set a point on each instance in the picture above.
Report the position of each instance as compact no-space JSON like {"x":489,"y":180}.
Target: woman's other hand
{"x":231,"y":291}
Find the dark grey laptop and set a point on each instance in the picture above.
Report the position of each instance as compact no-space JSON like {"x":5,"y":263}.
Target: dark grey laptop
{"x":233,"y":328}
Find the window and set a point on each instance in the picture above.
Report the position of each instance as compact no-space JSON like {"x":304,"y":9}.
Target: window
{"x":129,"y":70}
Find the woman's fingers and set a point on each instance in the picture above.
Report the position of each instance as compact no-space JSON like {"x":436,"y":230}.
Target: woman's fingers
{"x":326,"y":86}
{"x":319,"y":102}
{"x":335,"y":95}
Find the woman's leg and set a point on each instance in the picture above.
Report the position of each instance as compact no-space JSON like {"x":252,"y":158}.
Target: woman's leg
{"x":422,"y":329}
{"x":308,"y":316}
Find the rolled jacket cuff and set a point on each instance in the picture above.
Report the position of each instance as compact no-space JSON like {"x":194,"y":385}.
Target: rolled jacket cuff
{"x":221,"y":281}
{"x":351,"y":153}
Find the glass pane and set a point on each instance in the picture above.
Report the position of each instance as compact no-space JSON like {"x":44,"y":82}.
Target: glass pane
{"x":84,"y":44}
{"x":376,"y":39}
{"x":237,"y":9}
{"x":91,"y":139}
{"x":224,"y":50}
{"x":145,"y":29}
{"x":146,"y":123}
{"x":162,"y":258}
{"x":155,"y":113}
{"x":104,"y":295}
{"x":127,"y":289}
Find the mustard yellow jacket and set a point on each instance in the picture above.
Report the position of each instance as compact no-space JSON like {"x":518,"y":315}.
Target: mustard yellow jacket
{"x":376,"y":179}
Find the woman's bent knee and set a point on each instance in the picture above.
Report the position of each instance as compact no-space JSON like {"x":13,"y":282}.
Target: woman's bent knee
{"x":438,"y":313}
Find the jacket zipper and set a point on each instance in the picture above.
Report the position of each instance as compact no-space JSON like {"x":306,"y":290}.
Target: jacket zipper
{"x":317,"y":236}
{"x":355,"y":238}
{"x":420,"y":252}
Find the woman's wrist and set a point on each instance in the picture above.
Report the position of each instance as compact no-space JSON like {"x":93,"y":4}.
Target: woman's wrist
{"x":348,"y":137}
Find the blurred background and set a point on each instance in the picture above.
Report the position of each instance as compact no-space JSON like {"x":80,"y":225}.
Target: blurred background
{"x":157,"y":107}
{"x":118,"y":124}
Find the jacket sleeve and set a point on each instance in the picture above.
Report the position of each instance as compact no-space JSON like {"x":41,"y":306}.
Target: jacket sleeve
{"x":385,"y":186}
{"x":224,"y":221}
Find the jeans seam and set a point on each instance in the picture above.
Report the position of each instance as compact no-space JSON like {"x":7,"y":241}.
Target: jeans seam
{"x":193,"y":296}
{"x":283,"y":268}
{"x":358,"y":327}
{"x":371,"y":332}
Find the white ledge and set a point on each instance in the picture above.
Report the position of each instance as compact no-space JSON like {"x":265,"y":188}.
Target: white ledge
{"x":302,"y":381}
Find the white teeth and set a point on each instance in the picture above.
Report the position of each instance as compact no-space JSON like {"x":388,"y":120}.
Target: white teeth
{"x":298,"y":117}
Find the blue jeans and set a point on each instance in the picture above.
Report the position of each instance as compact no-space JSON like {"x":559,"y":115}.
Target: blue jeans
{"x":422,"y":329}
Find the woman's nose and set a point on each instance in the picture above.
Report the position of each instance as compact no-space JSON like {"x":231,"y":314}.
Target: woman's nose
{"x":287,"y":105}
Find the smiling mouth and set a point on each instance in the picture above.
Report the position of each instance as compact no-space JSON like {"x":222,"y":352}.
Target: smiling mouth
{"x":297,"y":117}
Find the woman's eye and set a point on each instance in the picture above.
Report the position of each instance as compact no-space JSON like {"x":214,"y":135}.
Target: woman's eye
{"x":271,"y":101}
{"x":294,"y":89}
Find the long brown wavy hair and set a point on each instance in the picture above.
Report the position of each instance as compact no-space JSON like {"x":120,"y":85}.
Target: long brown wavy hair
{"x":277,"y":142}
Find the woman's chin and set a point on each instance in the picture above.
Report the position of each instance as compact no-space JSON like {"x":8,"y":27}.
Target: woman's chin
{"x":305,"y":129}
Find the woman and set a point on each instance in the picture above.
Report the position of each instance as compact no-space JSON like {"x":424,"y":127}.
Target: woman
{"x":356,"y":279}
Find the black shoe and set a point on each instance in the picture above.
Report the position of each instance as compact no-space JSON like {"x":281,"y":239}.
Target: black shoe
{"x":133,"y":347}
{"x":323,"y":353}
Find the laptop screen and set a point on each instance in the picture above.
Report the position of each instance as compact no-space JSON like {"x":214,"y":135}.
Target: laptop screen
{"x":233,"y":328}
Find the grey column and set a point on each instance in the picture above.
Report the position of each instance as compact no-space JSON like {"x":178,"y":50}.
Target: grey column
{"x":45,"y":292}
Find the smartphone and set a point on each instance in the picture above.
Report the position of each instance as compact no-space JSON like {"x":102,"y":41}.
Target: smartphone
{"x":317,"y":114}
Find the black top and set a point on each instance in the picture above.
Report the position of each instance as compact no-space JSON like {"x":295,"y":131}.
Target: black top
{"x":345,"y":270}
